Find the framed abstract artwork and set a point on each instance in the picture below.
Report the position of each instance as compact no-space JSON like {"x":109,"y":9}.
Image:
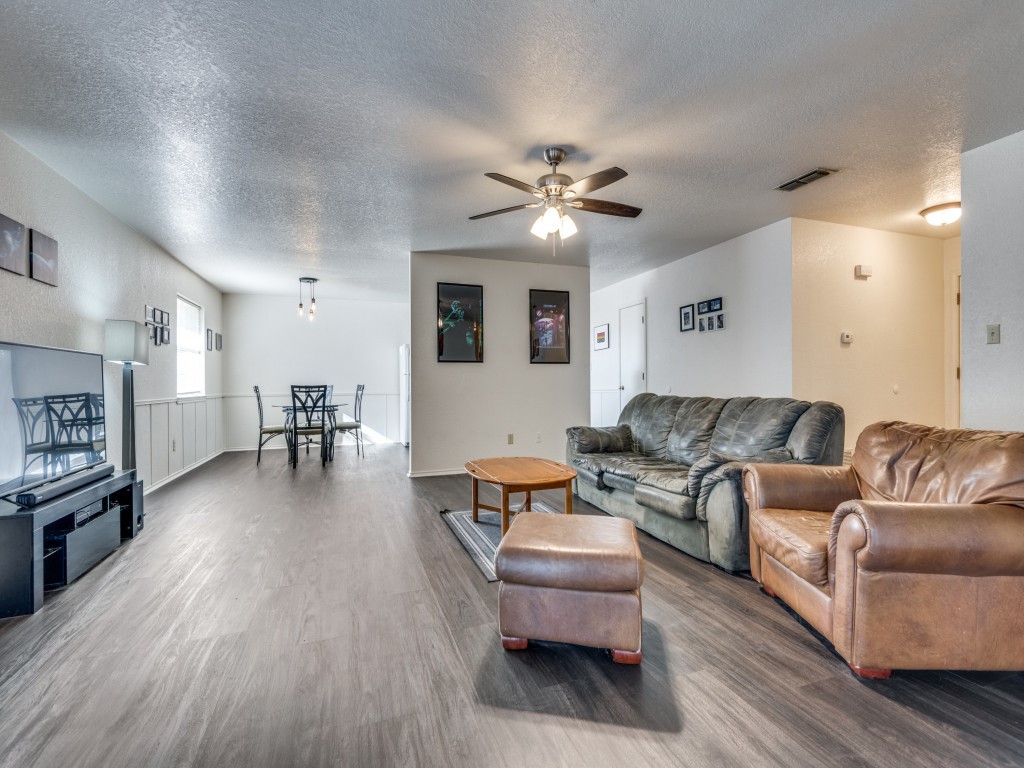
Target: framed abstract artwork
{"x":549,"y":326}
{"x":601,"y":339}
{"x":460,"y":323}
{"x":43,"y":257}
{"x":13,"y":246}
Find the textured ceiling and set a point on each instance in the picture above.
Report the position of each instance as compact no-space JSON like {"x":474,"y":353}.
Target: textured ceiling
{"x":258,"y":142}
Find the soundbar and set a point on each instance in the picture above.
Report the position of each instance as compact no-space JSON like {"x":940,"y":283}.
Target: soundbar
{"x":65,"y":485}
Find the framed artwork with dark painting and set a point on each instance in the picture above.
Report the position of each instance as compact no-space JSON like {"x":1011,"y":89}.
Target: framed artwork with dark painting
{"x":13,"y":246}
{"x":549,"y":326}
{"x":686,"y":318}
{"x":460,"y":323}
{"x":43,"y":257}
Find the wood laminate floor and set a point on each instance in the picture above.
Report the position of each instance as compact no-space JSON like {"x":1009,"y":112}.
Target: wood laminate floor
{"x":317,"y":617}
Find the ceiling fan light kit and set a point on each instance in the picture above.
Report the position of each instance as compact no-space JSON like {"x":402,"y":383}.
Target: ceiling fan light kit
{"x":558,"y":192}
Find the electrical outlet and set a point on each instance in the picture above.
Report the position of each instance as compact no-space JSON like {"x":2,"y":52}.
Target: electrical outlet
{"x":991,"y":334}
{"x":538,"y":437}
{"x":511,"y":438}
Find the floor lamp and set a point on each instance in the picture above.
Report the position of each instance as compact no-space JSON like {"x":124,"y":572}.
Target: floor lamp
{"x":126,"y":342}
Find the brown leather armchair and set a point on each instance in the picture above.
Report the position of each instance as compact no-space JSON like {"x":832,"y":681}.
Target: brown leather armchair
{"x":911,"y":558}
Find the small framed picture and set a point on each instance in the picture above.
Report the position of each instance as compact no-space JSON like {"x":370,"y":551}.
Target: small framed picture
{"x":601,"y":339}
{"x":702,"y":307}
{"x":165,"y":317}
{"x":715,"y":305}
{"x":43,"y":257}
{"x":165,"y":334}
{"x":711,"y":323}
{"x":13,"y":246}
{"x":150,"y":315}
{"x":686,"y":318}
{"x":701,"y":325}
{"x":220,"y":342}
{"x":209,"y":339}
{"x":720,"y":321}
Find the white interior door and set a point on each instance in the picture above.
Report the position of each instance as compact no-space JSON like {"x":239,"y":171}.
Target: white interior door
{"x":632,"y":352}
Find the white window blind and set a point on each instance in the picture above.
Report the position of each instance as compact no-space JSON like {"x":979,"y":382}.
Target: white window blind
{"x":191,"y":361}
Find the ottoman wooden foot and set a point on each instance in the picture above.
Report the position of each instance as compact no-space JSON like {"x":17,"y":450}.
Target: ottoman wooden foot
{"x":869,"y":673}
{"x":627,"y":657}
{"x":514,"y":643}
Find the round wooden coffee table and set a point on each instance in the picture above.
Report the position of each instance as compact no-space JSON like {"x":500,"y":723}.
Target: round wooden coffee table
{"x":518,"y":474}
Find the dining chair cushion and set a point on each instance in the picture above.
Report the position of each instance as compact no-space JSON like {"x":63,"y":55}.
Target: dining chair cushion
{"x":272,"y":429}
{"x":341,"y":425}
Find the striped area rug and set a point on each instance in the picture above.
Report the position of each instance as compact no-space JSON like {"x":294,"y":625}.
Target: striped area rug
{"x":481,"y":538}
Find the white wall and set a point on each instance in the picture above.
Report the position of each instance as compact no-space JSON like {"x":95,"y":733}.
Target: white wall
{"x":894,"y":367}
{"x":462,"y":411}
{"x":992,"y":184}
{"x":752,"y":356}
{"x":951,"y":271}
{"x":106,"y":270}
{"x":349,"y":343}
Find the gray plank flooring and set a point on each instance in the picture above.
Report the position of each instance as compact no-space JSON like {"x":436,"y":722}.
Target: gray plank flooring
{"x":271,"y":617}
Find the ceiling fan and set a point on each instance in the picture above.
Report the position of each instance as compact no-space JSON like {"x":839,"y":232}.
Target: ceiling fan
{"x":557,"y":192}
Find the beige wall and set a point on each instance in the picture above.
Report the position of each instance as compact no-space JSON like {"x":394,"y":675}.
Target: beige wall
{"x":463,"y":411}
{"x":894,"y":369}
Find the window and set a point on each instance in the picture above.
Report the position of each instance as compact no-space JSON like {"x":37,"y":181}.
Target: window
{"x":191,"y":360}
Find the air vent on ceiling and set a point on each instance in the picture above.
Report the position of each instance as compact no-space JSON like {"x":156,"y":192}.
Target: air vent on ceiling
{"x":807,"y":178}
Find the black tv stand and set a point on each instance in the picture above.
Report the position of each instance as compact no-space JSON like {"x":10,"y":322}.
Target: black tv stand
{"x":53,"y":543}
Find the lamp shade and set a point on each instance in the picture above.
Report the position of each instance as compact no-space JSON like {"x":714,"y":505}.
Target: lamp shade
{"x":125,"y":341}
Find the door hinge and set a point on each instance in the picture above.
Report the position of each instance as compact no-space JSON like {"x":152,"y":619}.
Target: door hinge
{"x":643,"y":377}
{"x":958,"y":373}
{"x":958,"y":298}
{"x":642,"y":319}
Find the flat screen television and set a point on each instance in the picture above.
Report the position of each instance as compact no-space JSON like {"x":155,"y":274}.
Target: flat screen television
{"x":51,"y":413}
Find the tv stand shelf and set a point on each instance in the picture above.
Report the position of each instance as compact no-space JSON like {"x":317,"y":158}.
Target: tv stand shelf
{"x":55,"y":542}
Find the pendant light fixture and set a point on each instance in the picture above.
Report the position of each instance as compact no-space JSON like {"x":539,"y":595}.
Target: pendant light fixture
{"x":311,"y":282}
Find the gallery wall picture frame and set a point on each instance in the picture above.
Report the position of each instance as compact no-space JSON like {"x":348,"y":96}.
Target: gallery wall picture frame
{"x":43,"y":257}
{"x":720,"y":321}
{"x":165,"y":334}
{"x":549,"y":326}
{"x":686,"y":317}
{"x":209,"y":339}
{"x":715,"y":305}
{"x":460,"y":323}
{"x":219,"y":343}
{"x":702,"y":325}
{"x":13,"y":246}
{"x":601,"y":338}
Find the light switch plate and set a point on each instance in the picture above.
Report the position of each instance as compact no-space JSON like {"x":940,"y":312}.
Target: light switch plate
{"x":991,"y":334}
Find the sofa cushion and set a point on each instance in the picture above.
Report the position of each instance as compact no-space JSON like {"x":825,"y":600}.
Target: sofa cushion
{"x":671,"y":478}
{"x":677,"y":505}
{"x":650,"y":418}
{"x":692,"y":429}
{"x":896,"y":461}
{"x":752,"y":425}
{"x":817,"y":436}
{"x":622,"y":482}
{"x":602,"y":462}
{"x":600,"y":439}
{"x":797,"y":538}
{"x":586,"y":476}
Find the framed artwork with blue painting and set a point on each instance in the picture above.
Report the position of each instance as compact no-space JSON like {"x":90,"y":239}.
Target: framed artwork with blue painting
{"x":549,"y":326}
{"x":460,"y":323}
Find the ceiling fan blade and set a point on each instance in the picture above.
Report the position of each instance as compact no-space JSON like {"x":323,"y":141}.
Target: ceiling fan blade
{"x":603,"y":206}
{"x":596,"y":181}
{"x":515,"y":183}
{"x":504,"y":210}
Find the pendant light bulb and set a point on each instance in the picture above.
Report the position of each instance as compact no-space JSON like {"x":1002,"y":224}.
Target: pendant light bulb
{"x":552,"y":219}
{"x":539,"y":228}
{"x":300,"y":309}
{"x":567,"y":227}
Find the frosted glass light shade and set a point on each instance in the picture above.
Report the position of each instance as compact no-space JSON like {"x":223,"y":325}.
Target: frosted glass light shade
{"x":940,"y":215}
{"x":539,"y":228}
{"x":567,"y":228}
{"x":552,"y":219}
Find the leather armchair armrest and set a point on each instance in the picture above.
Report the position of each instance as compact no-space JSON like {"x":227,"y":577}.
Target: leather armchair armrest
{"x":600,"y":439}
{"x":948,"y":539}
{"x":798,"y":486}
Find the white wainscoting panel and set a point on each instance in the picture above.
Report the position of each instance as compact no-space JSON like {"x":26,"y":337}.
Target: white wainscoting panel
{"x":173,"y":436}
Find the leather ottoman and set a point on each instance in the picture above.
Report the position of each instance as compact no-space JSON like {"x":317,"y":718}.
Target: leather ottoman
{"x":571,"y":579}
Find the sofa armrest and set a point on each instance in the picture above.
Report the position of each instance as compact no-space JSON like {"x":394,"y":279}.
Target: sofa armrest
{"x":947,"y":539}
{"x":600,"y":439}
{"x":798,"y":486}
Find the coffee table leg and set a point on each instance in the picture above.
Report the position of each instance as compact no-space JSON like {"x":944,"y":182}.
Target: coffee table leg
{"x":568,"y":497}
{"x":528,"y":506}
{"x":504,"y":509}
{"x":476,"y":501}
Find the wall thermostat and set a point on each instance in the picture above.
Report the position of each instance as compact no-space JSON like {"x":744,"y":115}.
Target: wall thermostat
{"x":845,"y":338}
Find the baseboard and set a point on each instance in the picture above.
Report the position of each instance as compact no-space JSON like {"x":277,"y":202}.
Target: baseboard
{"x":181,"y":472}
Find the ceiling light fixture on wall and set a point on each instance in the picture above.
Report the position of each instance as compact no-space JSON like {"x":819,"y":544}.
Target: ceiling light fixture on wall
{"x":940,"y":215}
{"x":311,"y":282}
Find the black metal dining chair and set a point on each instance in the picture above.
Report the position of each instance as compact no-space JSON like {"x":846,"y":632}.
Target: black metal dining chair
{"x":267,"y":431}
{"x":355,"y":427}
{"x":36,"y":436}
{"x":73,"y":430}
{"x":310,"y":420}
